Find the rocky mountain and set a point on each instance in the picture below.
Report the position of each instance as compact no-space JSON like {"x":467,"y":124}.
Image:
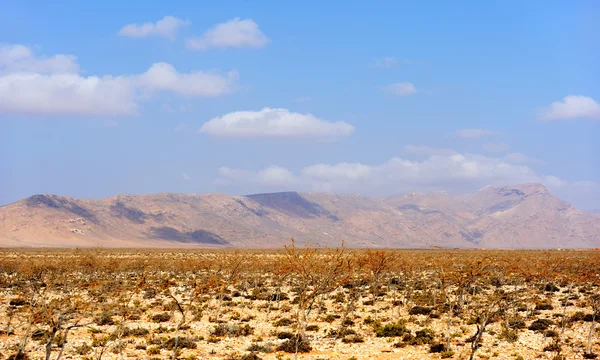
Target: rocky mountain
{"x":519,"y":216}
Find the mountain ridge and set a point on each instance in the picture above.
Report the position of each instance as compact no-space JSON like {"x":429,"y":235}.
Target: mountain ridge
{"x":514,"y":216}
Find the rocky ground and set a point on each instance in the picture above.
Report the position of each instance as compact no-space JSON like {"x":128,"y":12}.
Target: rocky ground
{"x":226,"y":305}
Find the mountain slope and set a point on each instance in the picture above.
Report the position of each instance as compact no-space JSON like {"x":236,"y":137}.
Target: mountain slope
{"x":520,"y":216}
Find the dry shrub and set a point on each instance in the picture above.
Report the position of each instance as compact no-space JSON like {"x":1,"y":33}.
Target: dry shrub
{"x":541,"y":324}
{"x":162,"y":317}
{"x":419,"y":310}
{"x":294,"y":345}
{"x":232,"y":330}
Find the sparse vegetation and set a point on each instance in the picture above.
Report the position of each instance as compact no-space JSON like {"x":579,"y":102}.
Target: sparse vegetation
{"x":198,"y":304}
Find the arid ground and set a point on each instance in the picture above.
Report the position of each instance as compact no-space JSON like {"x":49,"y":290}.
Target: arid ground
{"x":298,"y":302}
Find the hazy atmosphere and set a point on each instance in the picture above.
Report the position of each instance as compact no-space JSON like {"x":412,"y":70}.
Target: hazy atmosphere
{"x":269,"y":180}
{"x":103,"y":98}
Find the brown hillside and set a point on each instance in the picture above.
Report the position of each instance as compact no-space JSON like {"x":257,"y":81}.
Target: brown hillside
{"x":520,"y":216}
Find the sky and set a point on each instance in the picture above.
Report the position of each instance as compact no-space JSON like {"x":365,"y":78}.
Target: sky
{"x":377,"y":98}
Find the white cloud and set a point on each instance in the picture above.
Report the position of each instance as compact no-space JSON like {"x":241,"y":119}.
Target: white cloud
{"x":519,"y":158}
{"x":572,"y":107}
{"x":185,"y":176}
{"x":272,"y":177}
{"x":415,"y":149}
{"x":166,"y":27}
{"x":275,"y":176}
{"x":233,"y":33}
{"x":17,"y":58}
{"x":495,"y":147}
{"x":400,"y":89}
{"x":53,"y":86}
{"x":163,"y":76}
{"x":397,"y":175}
{"x":474,"y":133}
{"x":70,"y":94}
{"x":456,"y":173}
{"x":270,"y":122}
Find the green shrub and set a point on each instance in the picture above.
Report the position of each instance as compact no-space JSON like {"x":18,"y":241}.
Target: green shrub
{"x":423,"y":336}
{"x":391,"y":330}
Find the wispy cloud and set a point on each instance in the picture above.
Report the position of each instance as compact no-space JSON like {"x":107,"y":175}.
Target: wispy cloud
{"x":385,"y":62}
{"x":453,"y":172}
{"x":235,"y":33}
{"x":166,"y":27}
{"x":418,"y":149}
{"x":474,"y":133}
{"x":302,"y":99}
{"x":400,"y":89}
{"x":519,"y":158}
{"x":164,"y":76}
{"x":495,"y":147}
{"x":388,"y":62}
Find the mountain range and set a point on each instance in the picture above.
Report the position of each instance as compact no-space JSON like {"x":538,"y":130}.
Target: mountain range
{"x":517,"y":216}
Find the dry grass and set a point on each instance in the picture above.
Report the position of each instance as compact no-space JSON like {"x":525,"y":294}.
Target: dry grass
{"x":338,"y":303}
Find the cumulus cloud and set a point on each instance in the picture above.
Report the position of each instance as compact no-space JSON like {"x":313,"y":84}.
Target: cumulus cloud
{"x":271,"y":122}
{"x":233,"y":33}
{"x":163,"y":76}
{"x":15,"y":58}
{"x":400,"y":89}
{"x":572,"y":107}
{"x":495,"y":147}
{"x":474,"y":133}
{"x":70,"y":94}
{"x":453,"y":172}
{"x":166,"y":27}
{"x":398,"y":174}
{"x":53,"y":85}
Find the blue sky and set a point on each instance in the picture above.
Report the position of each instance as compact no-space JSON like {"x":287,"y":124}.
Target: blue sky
{"x":101,"y":98}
